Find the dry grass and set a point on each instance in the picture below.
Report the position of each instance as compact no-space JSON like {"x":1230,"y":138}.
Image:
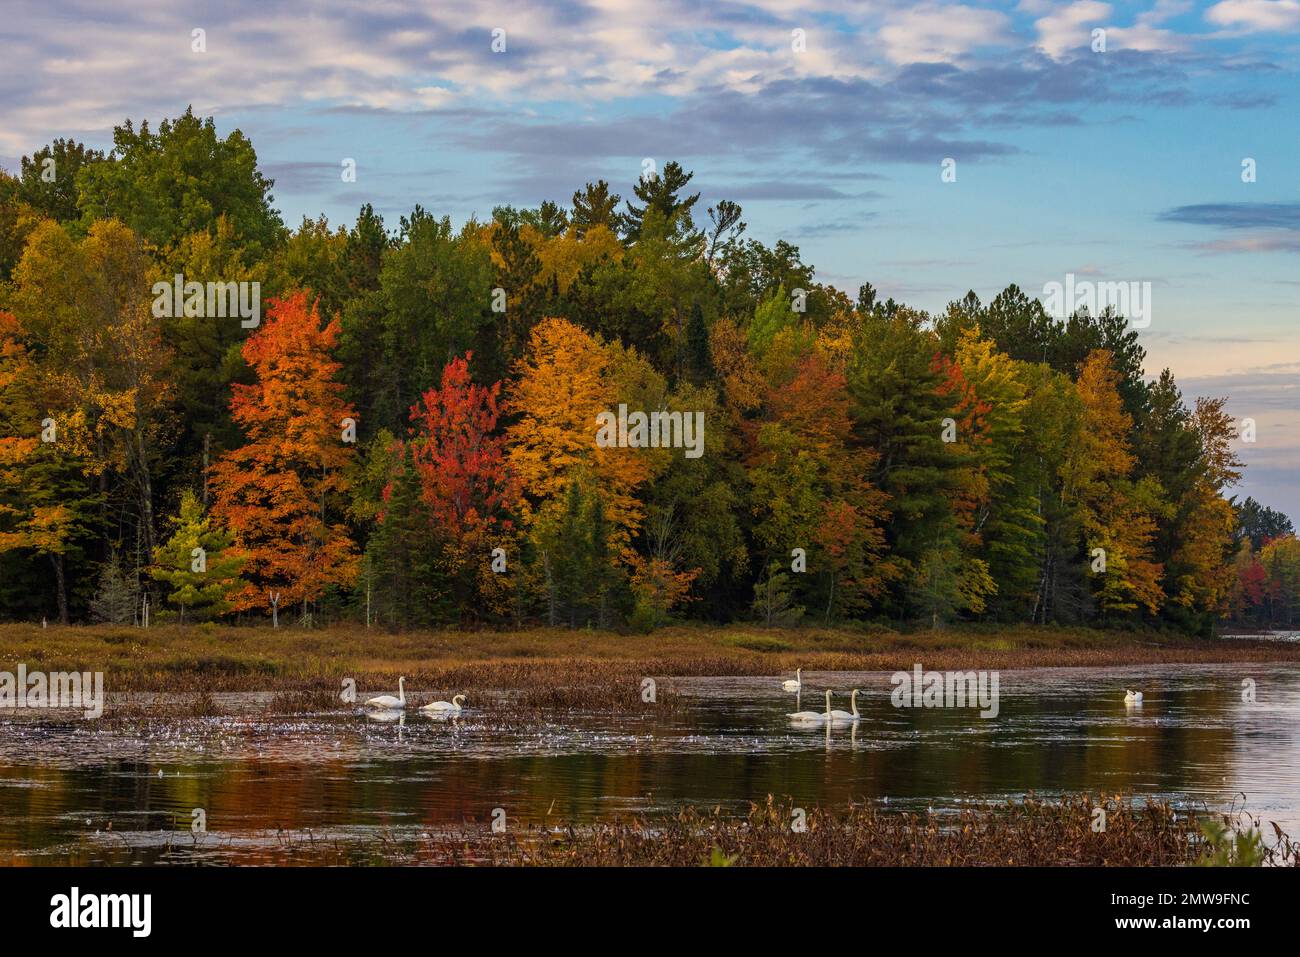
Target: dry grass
{"x":1030,"y":833}
{"x":206,"y":659}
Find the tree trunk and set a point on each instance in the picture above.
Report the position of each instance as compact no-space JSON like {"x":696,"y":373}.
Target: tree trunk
{"x":207,"y":445}
{"x":145,"y":481}
{"x":61,"y":581}
{"x":550,"y":589}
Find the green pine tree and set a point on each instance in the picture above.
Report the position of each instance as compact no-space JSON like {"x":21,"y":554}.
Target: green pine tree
{"x":198,"y":562}
{"x":119,"y":592}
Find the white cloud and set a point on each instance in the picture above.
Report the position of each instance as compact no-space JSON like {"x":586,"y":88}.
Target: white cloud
{"x":1145,"y":38}
{"x":400,"y":55}
{"x":1070,"y":27}
{"x":935,"y":33}
{"x":1256,"y":15}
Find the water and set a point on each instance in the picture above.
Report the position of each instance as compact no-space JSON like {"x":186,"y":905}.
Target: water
{"x":75,"y":791}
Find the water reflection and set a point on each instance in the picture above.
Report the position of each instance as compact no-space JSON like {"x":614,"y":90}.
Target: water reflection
{"x":73,"y":790}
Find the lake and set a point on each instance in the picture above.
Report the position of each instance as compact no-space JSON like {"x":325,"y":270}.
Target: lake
{"x":124,"y":790}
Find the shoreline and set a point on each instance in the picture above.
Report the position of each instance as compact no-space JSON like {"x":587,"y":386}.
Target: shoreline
{"x":217,"y":658}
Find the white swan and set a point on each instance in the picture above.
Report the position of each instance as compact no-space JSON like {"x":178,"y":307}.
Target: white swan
{"x":814,"y":715}
{"x":1132,"y":697}
{"x":846,"y":716}
{"x":387,"y":701}
{"x":452,"y":705}
{"x":795,"y":685}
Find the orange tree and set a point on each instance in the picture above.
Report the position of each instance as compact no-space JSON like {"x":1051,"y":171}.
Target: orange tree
{"x":281,"y":492}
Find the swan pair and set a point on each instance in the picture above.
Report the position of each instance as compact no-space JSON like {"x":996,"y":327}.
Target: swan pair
{"x":1132,"y":697}
{"x":828,"y":714}
{"x":387,"y":702}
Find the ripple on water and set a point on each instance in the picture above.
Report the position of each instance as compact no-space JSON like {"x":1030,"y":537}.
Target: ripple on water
{"x":1194,"y":741}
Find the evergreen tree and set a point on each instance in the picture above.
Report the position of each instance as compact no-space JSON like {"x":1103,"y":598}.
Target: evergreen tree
{"x":1260,"y":524}
{"x":774,"y":598}
{"x":198,"y":562}
{"x":548,"y":219}
{"x":699,"y":364}
{"x":581,"y":580}
{"x":899,"y":413}
{"x":408,"y":586}
{"x":595,"y":206}
{"x":117,"y":599}
{"x":662,"y":193}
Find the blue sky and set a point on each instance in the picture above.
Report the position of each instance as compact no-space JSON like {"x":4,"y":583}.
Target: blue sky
{"x":1121,"y":165}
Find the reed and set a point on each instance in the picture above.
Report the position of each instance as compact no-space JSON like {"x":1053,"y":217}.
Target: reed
{"x":211,"y":658}
{"x":1028,"y":833}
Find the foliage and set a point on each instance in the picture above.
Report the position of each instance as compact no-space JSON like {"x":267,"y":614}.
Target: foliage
{"x":198,"y":562}
{"x":972,"y":465}
{"x":117,"y":599}
{"x":177,"y":180}
{"x":281,"y":492}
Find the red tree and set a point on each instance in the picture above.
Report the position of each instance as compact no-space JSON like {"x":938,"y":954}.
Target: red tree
{"x":461,"y":462}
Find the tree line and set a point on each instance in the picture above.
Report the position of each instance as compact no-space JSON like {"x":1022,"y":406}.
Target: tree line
{"x":407,"y":436}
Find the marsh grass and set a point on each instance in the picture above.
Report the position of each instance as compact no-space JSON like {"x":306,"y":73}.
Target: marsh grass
{"x":210,"y":658}
{"x":1028,"y":833}
{"x":304,"y":701}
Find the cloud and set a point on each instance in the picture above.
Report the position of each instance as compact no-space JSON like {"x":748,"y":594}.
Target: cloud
{"x":835,"y":227}
{"x":935,"y":33}
{"x":302,"y":177}
{"x":1268,"y":227}
{"x":839,"y":123}
{"x":787,"y":189}
{"x":1262,"y":243}
{"x":1237,"y":215}
{"x":1256,"y":15}
{"x":408,"y":57}
{"x":1070,"y":27}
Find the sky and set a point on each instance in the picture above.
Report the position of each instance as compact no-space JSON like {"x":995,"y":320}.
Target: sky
{"x":1116,"y":156}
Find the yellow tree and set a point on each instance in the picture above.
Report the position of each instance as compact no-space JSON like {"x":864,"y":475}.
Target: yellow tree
{"x":1202,"y":558}
{"x":999,"y":505}
{"x":87,"y":305}
{"x":564,"y":257}
{"x":565,"y":380}
{"x":1118,"y":515}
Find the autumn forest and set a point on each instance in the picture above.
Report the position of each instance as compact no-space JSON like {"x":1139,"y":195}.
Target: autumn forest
{"x":405,"y":434}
